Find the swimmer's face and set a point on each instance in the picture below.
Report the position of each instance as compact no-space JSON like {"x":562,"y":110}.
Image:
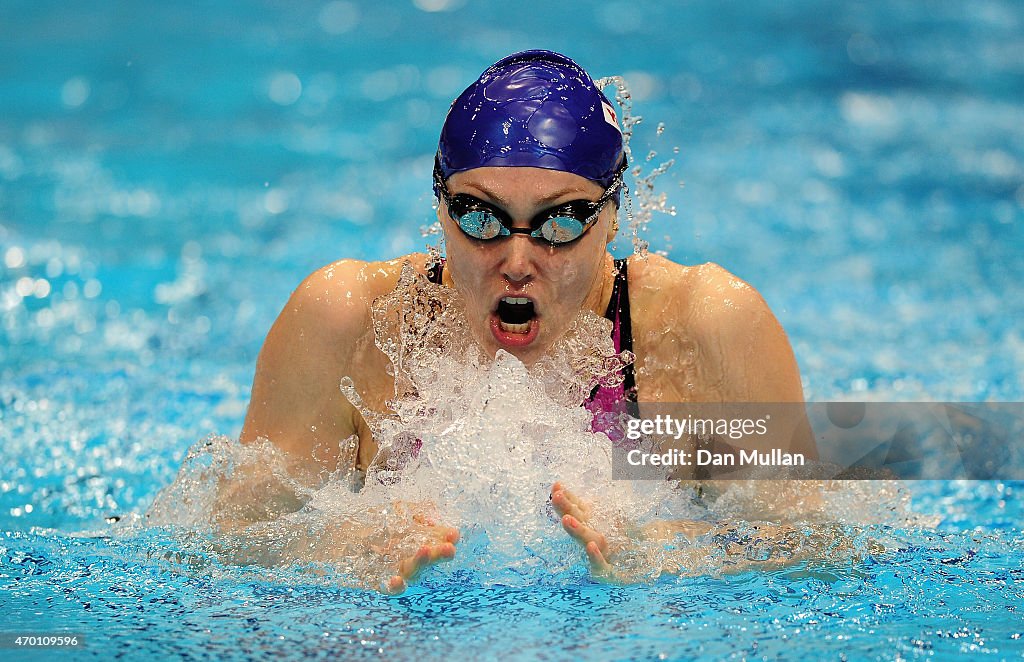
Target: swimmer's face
{"x":522,"y":293}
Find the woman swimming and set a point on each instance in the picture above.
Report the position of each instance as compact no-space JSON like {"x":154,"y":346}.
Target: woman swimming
{"x":528,"y":176}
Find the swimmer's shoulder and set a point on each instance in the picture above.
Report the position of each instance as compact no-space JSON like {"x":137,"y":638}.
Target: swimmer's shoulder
{"x":340,"y":295}
{"x":704,"y":296}
{"x":708,"y":321}
{"x":365,"y":279}
{"x":323,"y":334}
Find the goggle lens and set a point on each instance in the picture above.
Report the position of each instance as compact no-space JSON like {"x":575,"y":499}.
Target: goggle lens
{"x":481,"y":225}
{"x":561,"y":229}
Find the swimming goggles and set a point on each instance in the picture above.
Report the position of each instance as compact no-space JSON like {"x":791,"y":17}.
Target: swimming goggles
{"x":558,"y":225}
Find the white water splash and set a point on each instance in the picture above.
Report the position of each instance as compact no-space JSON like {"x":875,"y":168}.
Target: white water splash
{"x":642,"y":200}
{"x":475,"y":443}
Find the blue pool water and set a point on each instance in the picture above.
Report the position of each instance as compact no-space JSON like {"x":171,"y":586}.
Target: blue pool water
{"x":168,"y":176}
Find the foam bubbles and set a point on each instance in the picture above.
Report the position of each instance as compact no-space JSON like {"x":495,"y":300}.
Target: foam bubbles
{"x":483,"y":440}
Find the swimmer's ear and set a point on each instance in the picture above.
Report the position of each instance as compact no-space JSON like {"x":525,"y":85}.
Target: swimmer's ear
{"x":441,"y":215}
{"x":613,"y":229}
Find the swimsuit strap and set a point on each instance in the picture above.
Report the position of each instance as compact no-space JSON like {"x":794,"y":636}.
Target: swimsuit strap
{"x":622,"y":328}
{"x":434,"y":272}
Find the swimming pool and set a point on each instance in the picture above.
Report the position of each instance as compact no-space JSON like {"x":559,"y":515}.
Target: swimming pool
{"x":166,"y":179}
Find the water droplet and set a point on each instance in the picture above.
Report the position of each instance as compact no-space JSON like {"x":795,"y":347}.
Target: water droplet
{"x":338,"y":17}
{"x":275,"y":201}
{"x":284,"y":88}
{"x":14,"y":258}
{"x":75,"y":92}
{"x":92,"y":288}
{"x":41,"y":288}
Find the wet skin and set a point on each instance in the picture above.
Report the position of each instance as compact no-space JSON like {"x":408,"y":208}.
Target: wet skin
{"x":440,"y":548}
{"x":575,"y":512}
{"x":560,"y":280}
{"x":700,"y":334}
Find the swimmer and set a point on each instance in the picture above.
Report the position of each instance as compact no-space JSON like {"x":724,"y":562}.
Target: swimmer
{"x":528,"y":177}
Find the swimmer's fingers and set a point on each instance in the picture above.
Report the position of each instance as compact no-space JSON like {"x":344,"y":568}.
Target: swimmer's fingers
{"x":446,"y":534}
{"x":599,"y":566}
{"x":410,"y":568}
{"x":596,"y":547}
{"x":563,"y":506}
{"x":427,"y":555}
{"x":395,"y":585}
{"x":566,"y":503}
{"x":584,"y":535}
{"x":580,"y":504}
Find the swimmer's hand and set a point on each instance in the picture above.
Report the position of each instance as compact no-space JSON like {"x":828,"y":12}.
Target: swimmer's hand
{"x":575,"y":514}
{"x":440,"y":548}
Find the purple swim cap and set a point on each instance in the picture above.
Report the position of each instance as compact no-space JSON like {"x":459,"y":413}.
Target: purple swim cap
{"x":537,"y":109}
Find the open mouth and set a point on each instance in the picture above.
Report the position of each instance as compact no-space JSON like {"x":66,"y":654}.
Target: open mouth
{"x":515,"y":323}
{"x":515,"y":314}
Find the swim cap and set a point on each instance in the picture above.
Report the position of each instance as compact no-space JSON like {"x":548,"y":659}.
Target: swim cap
{"x":534,"y":108}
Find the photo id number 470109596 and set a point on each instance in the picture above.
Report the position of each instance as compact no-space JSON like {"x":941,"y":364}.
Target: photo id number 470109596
{"x":36,"y":640}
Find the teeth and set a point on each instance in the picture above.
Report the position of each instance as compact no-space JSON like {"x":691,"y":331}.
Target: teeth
{"x":515,"y":300}
{"x":515,"y":328}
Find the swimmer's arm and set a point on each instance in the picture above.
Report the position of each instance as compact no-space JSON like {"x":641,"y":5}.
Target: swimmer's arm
{"x":748,"y":350}
{"x":676,"y":539}
{"x":296,"y":403}
{"x":746,"y":353}
{"x":324,"y":334}
{"x":704,"y":335}
{"x":393,"y":545}
{"x":743,"y":346}
{"x":296,"y":400}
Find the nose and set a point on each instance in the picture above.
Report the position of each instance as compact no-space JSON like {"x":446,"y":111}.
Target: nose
{"x":518,"y":264}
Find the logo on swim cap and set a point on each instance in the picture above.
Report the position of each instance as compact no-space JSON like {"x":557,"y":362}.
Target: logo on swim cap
{"x":533,"y":109}
{"x":610,"y":117}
